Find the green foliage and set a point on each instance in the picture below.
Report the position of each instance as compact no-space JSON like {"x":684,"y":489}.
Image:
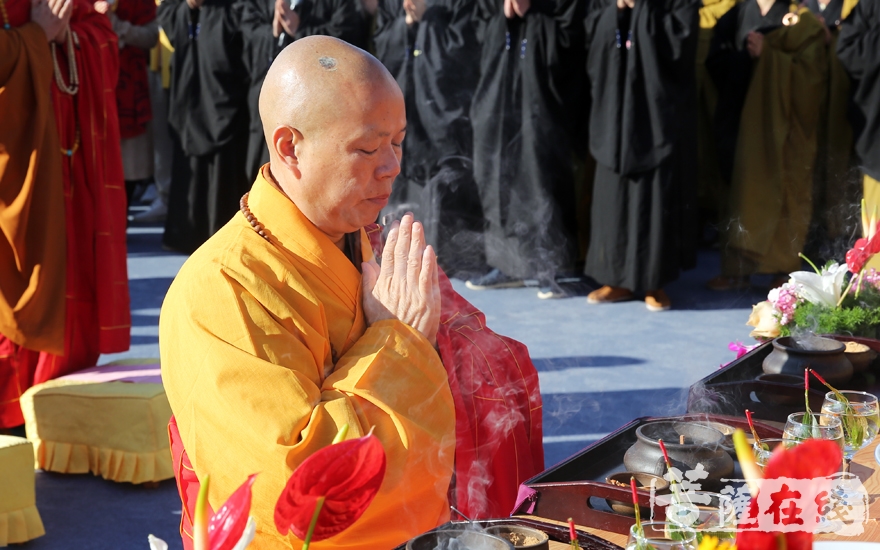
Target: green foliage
{"x":858,"y":317}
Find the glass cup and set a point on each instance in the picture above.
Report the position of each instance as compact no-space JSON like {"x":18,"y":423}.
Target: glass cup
{"x":859,"y":419}
{"x":762,"y":454}
{"x":822,"y":426}
{"x":706,"y":513}
{"x":660,"y":535}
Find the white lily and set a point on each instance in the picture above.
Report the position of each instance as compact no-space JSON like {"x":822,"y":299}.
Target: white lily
{"x":825,"y":288}
{"x":156,"y":543}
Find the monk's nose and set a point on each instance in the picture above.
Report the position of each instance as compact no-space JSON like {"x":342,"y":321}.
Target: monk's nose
{"x":389,"y":164}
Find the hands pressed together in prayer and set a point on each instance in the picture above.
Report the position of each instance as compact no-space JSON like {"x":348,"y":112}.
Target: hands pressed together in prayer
{"x":406,"y":286}
{"x":623,"y":4}
{"x":53,"y":16}
{"x":754,"y":44}
{"x":414,"y":10}
{"x":827,"y":29}
{"x":516,"y":8}
{"x":286,"y":20}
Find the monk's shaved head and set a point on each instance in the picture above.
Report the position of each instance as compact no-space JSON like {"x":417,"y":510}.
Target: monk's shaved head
{"x":334,"y":121}
{"x":315,"y":80}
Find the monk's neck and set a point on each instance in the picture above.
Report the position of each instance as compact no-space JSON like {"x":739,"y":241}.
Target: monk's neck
{"x":337,"y":240}
{"x":765,"y":5}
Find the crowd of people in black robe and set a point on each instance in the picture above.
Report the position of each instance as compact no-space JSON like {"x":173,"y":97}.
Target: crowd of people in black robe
{"x":556,"y":138}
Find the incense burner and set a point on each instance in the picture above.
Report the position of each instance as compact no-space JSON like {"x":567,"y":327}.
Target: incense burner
{"x":691,"y":446}
{"x":823,"y":355}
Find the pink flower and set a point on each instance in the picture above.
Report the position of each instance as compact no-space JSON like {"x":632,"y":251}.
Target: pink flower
{"x":740,"y":349}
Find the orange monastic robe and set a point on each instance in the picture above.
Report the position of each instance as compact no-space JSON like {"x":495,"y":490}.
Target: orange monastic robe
{"x":92,"y":291}
{"x":266,"y":353}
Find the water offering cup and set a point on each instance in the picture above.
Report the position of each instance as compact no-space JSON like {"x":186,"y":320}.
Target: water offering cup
{"x":661,"y":535}
{"x":859,"y":413}
{"x":821,"y":426}
{"x":706,"y":513}
{"x":763,"y":453}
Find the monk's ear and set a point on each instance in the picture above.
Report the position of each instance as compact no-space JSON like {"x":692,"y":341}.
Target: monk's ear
{"x":287,"y":142}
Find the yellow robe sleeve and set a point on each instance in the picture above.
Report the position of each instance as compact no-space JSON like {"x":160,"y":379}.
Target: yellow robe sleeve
{"x":244,"y":337}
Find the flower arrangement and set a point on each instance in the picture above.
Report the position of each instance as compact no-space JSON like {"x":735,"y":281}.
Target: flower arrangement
{"x":826,"y":301}
{"x":324,"y":496}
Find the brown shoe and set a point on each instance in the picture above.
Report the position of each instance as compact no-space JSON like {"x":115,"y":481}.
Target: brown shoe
{"x":722,"y":283}
{"x":609,"y":295}
{"x":657,"y":300}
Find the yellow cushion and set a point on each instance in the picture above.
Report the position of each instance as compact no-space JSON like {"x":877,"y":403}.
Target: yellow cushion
{"x":117,"y":430}
{"x":19,"y":519}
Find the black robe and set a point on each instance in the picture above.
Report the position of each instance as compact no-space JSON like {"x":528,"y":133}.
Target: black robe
{"x":831,"y":13}
{"x":524,"y":127}
{"x":858,"y":48}
{"x":643,"y":137}
{"x":435,"y":62}
{"x":338,"y":18}
{"x":209,"y":118}
{"x":730,"y":66}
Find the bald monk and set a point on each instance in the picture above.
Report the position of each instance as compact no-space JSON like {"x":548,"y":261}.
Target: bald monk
{"x":272,"y":338}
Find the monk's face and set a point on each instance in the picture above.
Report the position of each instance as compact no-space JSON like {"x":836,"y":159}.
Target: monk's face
{"x":349,"y":166}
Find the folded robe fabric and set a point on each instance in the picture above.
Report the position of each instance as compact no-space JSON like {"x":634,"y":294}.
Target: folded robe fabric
{"x":498,"y":423}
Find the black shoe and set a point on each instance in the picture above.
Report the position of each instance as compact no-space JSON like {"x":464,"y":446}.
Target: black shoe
{"x":493,"y":279}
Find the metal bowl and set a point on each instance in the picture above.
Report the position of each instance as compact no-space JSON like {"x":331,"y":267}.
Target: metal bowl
{"x":517,"y":534}
{"x":458,"y":539}
{"x":643,"y":482}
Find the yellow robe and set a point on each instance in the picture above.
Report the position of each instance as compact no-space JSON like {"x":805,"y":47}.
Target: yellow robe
{"x":265,"y":354}
{"x":871,"y":189}
{"x":771,"y":191}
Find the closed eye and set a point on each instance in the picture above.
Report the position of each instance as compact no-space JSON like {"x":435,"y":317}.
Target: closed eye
{"x":366,"y":152}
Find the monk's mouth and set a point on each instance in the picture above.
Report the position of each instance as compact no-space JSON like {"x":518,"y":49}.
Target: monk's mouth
{"x":380,"y":201}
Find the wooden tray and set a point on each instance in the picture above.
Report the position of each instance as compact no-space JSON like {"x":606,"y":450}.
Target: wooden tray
{"x":733,"y":389}
{"x":557,"y":533}
{"x":576,"y":488}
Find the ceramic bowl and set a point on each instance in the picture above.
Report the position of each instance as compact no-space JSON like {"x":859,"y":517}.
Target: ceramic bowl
{"x":860,"y":355}
{"x":465,"y":538}
{"x":769,"y":395}
{"x":521,"y":537}
{"x":643,"y":483}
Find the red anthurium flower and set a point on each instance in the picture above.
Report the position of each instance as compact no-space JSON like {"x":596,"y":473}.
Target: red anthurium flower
{"x":227,"y":525}
{"x":859,"y":255}
{"x":868,"y":245}
{"x":812,"y":459}
{"x":345,"y":477}
{"x":752,"y":539}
